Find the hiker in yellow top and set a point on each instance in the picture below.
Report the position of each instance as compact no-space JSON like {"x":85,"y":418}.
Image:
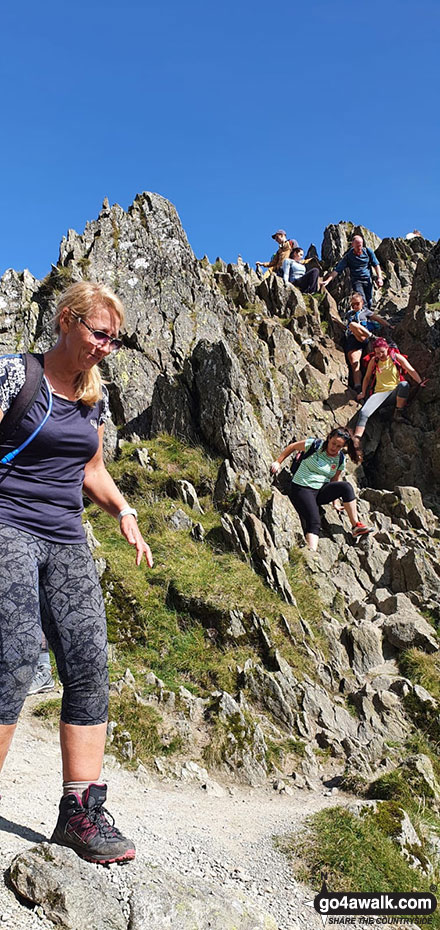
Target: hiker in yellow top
{"x":385,"y":367}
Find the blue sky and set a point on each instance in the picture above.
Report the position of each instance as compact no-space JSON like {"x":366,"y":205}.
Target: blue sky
{"x":246,"y":116}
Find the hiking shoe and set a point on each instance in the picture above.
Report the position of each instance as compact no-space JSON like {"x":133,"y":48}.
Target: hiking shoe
{"x":42,"y":680}
{"x":361,"y":529}
{"x":83,"y":826}
{"x":400,"y":415}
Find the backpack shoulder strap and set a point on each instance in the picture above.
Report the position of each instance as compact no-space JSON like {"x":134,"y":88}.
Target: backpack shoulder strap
{"x":314,"y":447}
{"x":25,"y":399}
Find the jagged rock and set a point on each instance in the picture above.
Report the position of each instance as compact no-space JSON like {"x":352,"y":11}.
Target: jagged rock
{"x":414,"y":510}
{"x":280,"y":299}
{"x":424,"y":697}
{"x":18,"y":309}
{"x":275,"y":691}
{"x":67,"y":888}
{"x":187,"y":493}
{"x":250,"y":502}
{"x":338,"y":655}
{"x":225,"y":484}
{"x":197,"y":532}
{"x":91,"y":540}
{"x":413,"y":571}
{"x":179,"y":520}
{"x":364,"y":646}
{"x":235,"y":534}
{"x":266,"y":559}
{"x":405,"y":502}
{"x":362,"y":611}
{"x":164,"y":901}
{"x":408,"y":628}
{"x":283,"y":524}
{"x":243,"y":749}
{"x":398,"y":259}
{"x":143,"y":457}
{"x":418,"y":769}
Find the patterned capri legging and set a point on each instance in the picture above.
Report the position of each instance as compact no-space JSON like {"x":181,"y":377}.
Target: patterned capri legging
{"x":54,"y":587}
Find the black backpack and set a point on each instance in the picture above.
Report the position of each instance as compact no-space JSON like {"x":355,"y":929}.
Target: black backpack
{"x":25,"y":399}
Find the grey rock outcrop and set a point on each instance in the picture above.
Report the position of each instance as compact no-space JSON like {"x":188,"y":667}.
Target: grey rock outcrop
{"x":240,"y":366}
{"x":67,"y":888}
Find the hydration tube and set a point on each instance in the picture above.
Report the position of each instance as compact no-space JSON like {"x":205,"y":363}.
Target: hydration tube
{"x":11,"y":455}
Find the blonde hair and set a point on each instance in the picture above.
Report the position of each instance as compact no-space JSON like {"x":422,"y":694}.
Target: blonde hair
{"x":82,"y":299}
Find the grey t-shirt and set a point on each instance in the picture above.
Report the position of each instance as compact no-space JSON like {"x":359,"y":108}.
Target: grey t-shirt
{"x":41,"y":489}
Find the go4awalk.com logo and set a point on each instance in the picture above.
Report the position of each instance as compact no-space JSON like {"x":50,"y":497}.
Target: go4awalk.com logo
{"x":353,"y":908}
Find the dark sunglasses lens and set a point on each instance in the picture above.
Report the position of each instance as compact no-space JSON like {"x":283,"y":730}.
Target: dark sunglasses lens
{"x":105,"y":339}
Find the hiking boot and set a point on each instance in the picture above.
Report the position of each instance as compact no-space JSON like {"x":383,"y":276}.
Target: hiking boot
{"x":83,"y":826}
{"x":400,"y":415}
{"x":42,"y":680}
{"x":361,"y":529}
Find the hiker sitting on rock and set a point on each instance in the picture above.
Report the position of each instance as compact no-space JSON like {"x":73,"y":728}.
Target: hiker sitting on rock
{"x":316,"y":471}
{"x":285,"y":247}
{"x":385,"y":370}
{"x":360,"y":260}
{"x":361,"y":322}
{"x":294,"y":271}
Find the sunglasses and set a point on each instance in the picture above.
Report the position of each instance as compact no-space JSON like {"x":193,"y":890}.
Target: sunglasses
{"x":100,"y":337}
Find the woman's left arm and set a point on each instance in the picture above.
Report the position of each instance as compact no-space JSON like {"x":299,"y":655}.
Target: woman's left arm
{"x":408,"y":367}
{"x":102,"y":490}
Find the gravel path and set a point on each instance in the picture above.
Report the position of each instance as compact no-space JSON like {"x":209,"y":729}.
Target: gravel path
{"x":225,"y":840}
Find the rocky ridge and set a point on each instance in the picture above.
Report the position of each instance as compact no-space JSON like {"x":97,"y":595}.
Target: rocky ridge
{"x":222,"y":358}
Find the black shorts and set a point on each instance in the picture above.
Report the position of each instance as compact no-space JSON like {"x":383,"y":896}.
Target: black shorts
{"x":351,"y":343}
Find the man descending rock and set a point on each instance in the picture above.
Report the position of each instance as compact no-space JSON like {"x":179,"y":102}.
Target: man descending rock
{"x":285,"y":247}
{"x":294,"y":271}
{"x":360,"y":260}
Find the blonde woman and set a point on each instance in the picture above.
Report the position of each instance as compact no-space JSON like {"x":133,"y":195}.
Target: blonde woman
{"x":48,"y":578}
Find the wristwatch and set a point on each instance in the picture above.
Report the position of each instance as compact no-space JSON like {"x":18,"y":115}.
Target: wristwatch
{"x":125,"y":512}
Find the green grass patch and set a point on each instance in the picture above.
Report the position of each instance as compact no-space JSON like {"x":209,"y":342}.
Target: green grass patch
{"x":422,"y":669}
{"x":143,"y":726}
{"x":278,"y":751}
{"x":185,"y":645}
{"x":357,"y":853}
{"x":176,"y":646}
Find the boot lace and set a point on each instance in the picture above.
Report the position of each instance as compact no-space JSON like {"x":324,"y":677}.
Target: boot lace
{"x":98,"y":817}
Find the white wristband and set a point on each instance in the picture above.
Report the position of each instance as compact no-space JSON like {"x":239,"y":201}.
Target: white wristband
{"x":125,"y":513}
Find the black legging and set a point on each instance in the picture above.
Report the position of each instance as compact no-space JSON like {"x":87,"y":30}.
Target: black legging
{"x":307,"y":501}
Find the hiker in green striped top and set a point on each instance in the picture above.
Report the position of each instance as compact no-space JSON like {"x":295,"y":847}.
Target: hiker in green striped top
{"x":316,"y":473}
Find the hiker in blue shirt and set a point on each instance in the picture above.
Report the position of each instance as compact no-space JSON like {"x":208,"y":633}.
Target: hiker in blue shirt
{"x":359,"y":260}
{"x":48,"y":579}
{"x":361,"y":324}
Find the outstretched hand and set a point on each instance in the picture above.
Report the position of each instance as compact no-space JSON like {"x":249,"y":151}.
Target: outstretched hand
{"x":275,"y":468}
{"x":133,"y":535}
